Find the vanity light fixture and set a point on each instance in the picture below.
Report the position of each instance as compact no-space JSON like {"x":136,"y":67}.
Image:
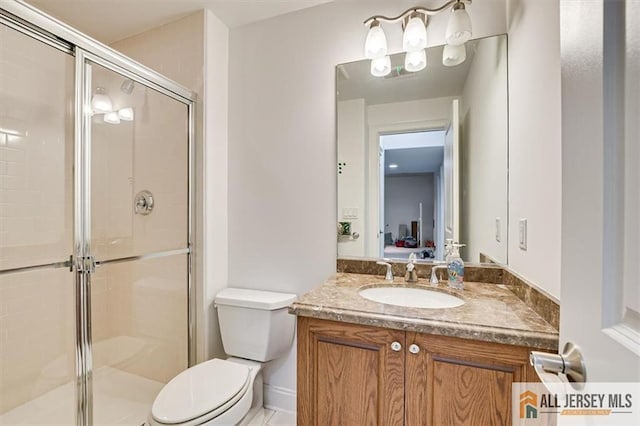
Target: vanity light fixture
{"x":393,"y":166}
{"x":414,"y":38}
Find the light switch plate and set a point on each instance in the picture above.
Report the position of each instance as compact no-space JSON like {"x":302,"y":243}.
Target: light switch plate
{"x":498,"y":229}
{"x":522,"y":233}
{"x":350,"y":213}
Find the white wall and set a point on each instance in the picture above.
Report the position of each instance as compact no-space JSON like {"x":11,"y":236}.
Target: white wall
{"x":403,"y":193}
{"x":534,"y":140}
{"x":215,"y":169}
{"x":282,"y":154}
{"x":435,"y":110}
{"x":484,"y":119}
{"x":351,"y":134}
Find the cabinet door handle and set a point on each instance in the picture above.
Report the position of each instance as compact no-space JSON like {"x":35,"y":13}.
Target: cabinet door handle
{"x":396,"y":346}
{"x":414,"y":349}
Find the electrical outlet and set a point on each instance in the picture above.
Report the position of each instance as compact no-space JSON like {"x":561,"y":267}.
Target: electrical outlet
{"x":498,"y":229}
{"x":522,"y":234}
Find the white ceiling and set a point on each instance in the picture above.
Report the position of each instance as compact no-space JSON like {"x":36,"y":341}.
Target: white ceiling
{"x":112,"y":20}
{"x":413,"y":160}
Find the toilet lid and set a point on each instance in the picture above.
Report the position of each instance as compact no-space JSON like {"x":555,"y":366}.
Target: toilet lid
{"x":199,"y":390}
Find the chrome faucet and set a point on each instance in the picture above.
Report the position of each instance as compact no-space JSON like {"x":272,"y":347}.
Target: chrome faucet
{"x":389,"y":275}
{"x":434,"y":274}
{"x":411,"y":276}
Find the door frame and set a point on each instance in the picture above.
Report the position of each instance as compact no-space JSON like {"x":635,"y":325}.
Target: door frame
{"x":372,"y":196}
{"x":593,"y":190}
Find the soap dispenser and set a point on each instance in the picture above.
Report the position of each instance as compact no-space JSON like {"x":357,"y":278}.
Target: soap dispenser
{"x":455,"y":267}
{"x":411,"y":276}
{"x":447,"y":250}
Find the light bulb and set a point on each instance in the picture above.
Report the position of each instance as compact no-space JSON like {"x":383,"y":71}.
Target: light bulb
{"x":126,"y":114}
{"x":381,"y":66}
{"x":454,"y":55}
{"x":375,"y":45}
{"x":415,"y":61}
{"x":101,"y":102}
{"x":459,"y":26}
{"x":415,"y":35}
{"x":111,"y":118}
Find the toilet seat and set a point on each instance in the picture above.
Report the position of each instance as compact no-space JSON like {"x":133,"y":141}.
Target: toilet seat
{"x":201,"y":393}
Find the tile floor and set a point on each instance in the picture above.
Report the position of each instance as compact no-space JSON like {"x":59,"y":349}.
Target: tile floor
{"x":120,"y":398}
{"x":273,"y":418}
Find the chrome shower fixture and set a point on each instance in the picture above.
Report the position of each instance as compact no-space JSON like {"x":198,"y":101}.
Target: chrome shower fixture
{"x":127,"y":86}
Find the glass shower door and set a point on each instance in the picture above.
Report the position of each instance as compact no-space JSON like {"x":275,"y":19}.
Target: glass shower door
{"x":138,"y":208}
{"x":37,"y":304}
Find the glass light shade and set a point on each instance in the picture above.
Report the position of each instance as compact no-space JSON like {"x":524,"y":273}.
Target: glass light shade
{"x":111,"y":118}
{"x":101,"y":102}
{"x":415,"y":35}
{"x":458,"y":27}
{"x":381,"y":66}
{"x":454,"y":55}
{"x":126,"y":114}
{"x":415,"y":61}
{"x":375,"y":45}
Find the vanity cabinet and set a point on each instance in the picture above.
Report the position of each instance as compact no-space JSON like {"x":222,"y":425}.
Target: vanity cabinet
{"x":351,"y":374}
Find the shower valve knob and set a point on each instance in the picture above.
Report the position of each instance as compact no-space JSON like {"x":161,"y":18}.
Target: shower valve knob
{"x":143,"y":203}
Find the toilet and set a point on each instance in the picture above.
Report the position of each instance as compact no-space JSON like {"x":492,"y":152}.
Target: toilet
{"x":255,"y":328}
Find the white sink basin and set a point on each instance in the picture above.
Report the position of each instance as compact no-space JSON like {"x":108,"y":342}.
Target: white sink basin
{"x":411,"y":297}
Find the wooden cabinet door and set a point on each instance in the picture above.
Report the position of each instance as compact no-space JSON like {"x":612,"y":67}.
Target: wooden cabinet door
{"x":453,"y":381}
{"x":349,"y":375}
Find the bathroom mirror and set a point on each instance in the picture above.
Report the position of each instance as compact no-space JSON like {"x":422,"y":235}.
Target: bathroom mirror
{"x":422,"y":156}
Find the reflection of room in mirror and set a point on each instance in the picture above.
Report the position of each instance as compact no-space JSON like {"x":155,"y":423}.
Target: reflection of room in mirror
{"x":415,"y":177}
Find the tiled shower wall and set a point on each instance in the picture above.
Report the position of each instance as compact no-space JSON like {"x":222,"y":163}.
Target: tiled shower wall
{"x":139,"y":318}
{"x":36,"y":210}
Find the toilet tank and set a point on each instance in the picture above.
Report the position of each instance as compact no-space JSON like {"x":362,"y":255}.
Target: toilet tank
{"x":255,"y":324}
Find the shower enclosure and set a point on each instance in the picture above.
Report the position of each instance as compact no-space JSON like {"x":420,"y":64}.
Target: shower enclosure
{"x":95,"y":227}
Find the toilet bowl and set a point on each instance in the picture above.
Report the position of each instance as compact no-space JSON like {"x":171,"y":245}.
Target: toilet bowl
{"x":215,"y":392}
{"x":255,"y":328}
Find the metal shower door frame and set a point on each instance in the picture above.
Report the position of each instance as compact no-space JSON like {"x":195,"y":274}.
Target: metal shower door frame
{"x":36,"y":24}
{"x":84,"y":260}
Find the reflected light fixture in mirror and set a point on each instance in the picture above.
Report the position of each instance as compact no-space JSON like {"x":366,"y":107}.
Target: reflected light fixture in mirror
{"x":126,"y":114}
{"x":381,"y":66}
{"x":453,"y":55}
{"x":101,"y":102}
{"x":111,"y":118}
{"x":414,"y":38}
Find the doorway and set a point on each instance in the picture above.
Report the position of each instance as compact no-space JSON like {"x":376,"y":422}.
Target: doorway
{"x":411,"y":208}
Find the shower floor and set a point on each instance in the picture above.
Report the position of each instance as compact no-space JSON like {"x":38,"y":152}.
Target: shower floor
{"x":118,"y":398}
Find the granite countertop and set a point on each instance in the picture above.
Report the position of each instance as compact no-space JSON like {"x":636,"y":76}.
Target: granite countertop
{"x":490,"y":313}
